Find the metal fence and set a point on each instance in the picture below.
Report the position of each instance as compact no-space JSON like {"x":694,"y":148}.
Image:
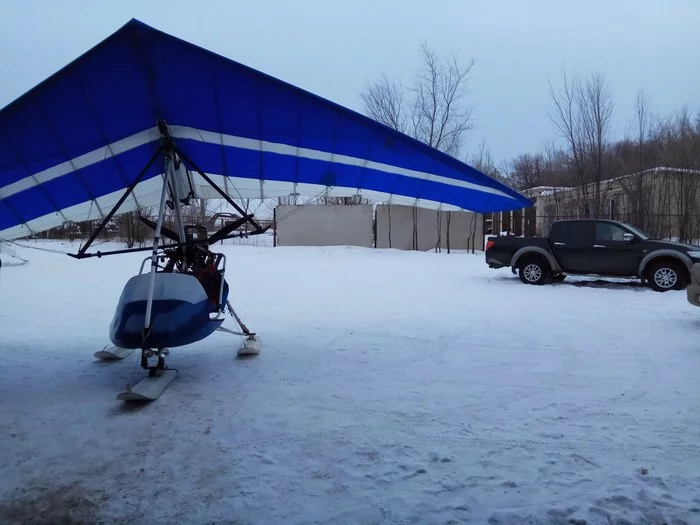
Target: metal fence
{"x":412,"y":228}
{"x":382,"y":226}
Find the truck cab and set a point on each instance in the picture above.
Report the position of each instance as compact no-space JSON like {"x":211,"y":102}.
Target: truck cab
{"x":598,"y":247}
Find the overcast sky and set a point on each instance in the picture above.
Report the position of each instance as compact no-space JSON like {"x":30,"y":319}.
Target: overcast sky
{"x":334,"y":47}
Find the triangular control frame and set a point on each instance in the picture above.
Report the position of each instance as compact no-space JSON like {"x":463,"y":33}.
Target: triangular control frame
{"x":168,"y":148}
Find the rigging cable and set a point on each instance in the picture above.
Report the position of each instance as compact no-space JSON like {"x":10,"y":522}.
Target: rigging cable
{"x":50,"y":250}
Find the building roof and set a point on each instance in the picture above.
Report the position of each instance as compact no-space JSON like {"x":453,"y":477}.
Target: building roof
{"x":543,"y":191}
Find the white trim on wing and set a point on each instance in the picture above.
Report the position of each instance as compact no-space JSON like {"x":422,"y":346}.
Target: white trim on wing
{"x":242,"y":187}
{"x":234,"y":141}
{"x":82,"y":161}
{"x":147,"y":193}
{"x":152,"y":134}
{"x":250,"y":189}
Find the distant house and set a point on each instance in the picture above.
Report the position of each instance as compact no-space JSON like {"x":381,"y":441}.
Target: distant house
{"x":664,"y":202}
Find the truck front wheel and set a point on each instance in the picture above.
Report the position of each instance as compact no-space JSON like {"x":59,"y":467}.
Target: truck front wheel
{"x":534,"y":270}
{"x":666,"y":275}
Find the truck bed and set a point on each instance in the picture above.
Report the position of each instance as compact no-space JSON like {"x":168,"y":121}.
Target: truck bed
{"x":501,"y":249}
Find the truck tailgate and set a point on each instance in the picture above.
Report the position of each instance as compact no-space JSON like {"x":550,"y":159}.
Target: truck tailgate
{"x":499,"y":250}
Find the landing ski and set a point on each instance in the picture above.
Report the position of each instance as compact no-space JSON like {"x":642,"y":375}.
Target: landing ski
{"x":150,"y":387}
{"x":251,"y":346}
{"x":111,"y":353}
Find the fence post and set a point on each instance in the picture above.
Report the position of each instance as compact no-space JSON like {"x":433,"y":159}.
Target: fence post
{"x":274,"y":227}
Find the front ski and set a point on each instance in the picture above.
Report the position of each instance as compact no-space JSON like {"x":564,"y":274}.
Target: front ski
{"x":111,"y":353}
{"x":150,"y":387}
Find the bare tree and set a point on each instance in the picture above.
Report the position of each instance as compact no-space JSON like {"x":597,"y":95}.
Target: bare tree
{"x":582,"y":114}
{"x":683,"y":152}
{"x":436,"y":114}
{"x":482,"y":161}
{"x":131,"y":230}
{"x":567,"y":118}
{"x":549,"y":167}
{"x":439,"y":118}
{"x":641,"y":109}
{"x":638,"y":196}
{"x":527,"y":171}
{"x":288,"y":200}
{"x":597,"y":112}
{"x":384,"y":103}
{"x":351,"y":200}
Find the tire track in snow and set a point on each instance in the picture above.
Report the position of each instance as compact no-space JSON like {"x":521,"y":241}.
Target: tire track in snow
{"x":369,"y":436}
{"x":533,"y":445}
{"x":362,"y":433}
{"x":554,"y":444}
{"x":289,"y":438}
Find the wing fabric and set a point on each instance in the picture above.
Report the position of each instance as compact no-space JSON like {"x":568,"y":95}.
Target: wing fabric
{"x":71,"y":146}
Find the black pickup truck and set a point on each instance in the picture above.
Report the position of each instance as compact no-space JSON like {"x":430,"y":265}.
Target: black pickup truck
{"x":603,"y":248}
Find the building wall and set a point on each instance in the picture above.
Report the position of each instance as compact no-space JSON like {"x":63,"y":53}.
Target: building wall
{"x":398,"y":227}
{"x":664,"y":202}
{"x":669,"y":206}
{"x":324,"y":225}
{"x":410,"y":228}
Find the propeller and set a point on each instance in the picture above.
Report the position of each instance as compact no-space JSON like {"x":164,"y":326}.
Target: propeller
{"x":213,"y":238}
{"x":166,"y":232}
{"x":224,"y":231}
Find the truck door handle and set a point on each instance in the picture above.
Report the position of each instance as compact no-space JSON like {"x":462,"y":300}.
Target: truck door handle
{"x":559,"y":244}
{"x":598,"y":246}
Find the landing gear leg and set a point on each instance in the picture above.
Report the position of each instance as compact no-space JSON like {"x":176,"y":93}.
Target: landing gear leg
{"x":161,"y":354}
{"x":251,"y":342}
{"x":154,"y":384}
{"x":160,"y":365}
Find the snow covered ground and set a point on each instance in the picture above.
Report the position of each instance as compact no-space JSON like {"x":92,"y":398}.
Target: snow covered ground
{"x":393,"y":387}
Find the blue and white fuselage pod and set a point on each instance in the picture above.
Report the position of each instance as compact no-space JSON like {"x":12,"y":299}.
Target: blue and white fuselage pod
{"x":180,"y":313}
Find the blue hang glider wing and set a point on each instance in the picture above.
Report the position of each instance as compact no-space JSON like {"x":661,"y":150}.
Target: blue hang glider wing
{"x":71,"y":146}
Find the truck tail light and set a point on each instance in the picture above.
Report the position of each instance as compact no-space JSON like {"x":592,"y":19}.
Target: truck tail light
{"x":489,"y":244}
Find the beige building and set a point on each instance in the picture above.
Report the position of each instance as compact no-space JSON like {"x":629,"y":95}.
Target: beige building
{"x":664,"y":202}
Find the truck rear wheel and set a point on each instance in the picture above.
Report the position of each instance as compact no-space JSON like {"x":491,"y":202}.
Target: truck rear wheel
{"x":534,"y":270}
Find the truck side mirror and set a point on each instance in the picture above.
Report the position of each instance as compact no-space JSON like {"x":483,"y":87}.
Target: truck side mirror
{"x":628,"y":237}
